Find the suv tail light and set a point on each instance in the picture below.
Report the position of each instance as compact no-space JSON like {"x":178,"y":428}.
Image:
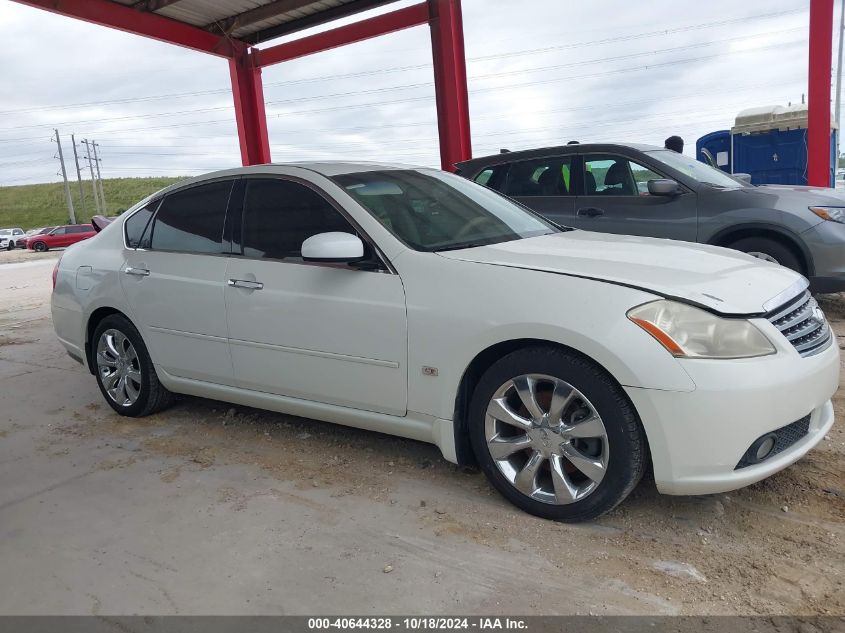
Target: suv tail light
{"x":56,"y":270}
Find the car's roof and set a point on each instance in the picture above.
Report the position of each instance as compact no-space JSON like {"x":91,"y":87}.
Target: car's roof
{"x":575,"y":148}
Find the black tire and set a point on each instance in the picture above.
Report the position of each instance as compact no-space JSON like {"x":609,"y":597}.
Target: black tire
{"x":153,"y":396}
{"x":626,"y":440}
{"x":40,"y":247}
{"x":780,"y":252}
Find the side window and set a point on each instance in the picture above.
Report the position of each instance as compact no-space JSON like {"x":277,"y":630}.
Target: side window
{"x":493,"y":177}
{"x":280,"y":214}
{"x":551,"y":176}
{"x":616,"y":176}
{"x":192,"y":220}
{"x":59,"y":231}
{"x":135,"y":226}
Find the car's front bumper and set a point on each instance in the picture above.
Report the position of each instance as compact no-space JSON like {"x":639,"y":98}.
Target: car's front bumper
{"x":698,"y":438}
{"x":826,"y":243}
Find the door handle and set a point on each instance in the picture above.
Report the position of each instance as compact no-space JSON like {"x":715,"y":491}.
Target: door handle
{"x":246,"y":284}
{"x":590,"y":212}
{"x":138,"y":272}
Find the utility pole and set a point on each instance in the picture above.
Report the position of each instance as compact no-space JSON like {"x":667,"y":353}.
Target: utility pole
{"x":99,"y":178}
{"x":78,"y":176}
{"x":71,"y":214}
{"x":839,"y":86}
{"x":91,"y":169}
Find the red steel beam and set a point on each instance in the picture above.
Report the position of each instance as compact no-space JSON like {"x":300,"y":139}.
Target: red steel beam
{"x":250,"y":114}
{"x":818,"y":93}
{"x":450,"y":82}
{"x":356,"y":32}
{"x":158,"y":27}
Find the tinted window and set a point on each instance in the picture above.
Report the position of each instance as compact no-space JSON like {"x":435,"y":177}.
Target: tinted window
{"x":136,"y":225}
{"x":279,"y":215}
{"x":59,"y":231}
{"x":431,"y":210}
{"x":80,"y":228}
{"x":540,"y":177}
{"x":493,"y":177}
{"x":616,"y":176}
{"x":192,"y":220}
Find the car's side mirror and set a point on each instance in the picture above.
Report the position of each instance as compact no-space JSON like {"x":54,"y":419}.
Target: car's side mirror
{"x":664,"y":187}
{"x":333,"y":247}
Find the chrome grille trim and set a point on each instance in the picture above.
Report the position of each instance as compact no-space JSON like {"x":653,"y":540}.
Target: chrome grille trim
{"x":798,"y":320}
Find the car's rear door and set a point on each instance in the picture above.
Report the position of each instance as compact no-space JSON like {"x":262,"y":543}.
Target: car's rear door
{"x":614,"y":198}
{"x":545,"y":185}
{"x":174,"y":281}
{"x":329,"y":333}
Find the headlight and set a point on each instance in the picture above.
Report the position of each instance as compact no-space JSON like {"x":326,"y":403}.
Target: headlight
{"x":689,"y":332}
{"x":834,"y":214}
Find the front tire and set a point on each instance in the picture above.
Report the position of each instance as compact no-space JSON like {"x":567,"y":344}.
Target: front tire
{"x":555,"y":435}
{"x":769,"y":250}
{"x":40,"y":247}
{"x":125,"y":373}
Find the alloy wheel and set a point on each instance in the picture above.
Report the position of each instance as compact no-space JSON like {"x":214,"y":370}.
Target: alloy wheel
{"x":119,"y":367}
{"x":547,"y":439}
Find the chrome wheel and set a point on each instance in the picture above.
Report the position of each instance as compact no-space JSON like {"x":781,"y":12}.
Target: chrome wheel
{"x":119,"y":367}
{"x":764,"y":256}
{"x":546,"y":438}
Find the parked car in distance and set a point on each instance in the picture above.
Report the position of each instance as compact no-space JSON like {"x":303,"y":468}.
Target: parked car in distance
{"x":12,"y":238}
{"x":60,"y":236}
{"x":35,"y":232}
{"x":417,"y":303}
{"x":652,"y":191}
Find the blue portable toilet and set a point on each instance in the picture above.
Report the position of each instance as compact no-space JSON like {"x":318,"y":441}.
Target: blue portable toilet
{"x":769,"y":143}
{"x":715,"y":150}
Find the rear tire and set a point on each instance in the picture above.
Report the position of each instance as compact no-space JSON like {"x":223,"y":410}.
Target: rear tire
{"x":125,"y":373}
{"x":583,"y":447}
{"x":769,"y":250}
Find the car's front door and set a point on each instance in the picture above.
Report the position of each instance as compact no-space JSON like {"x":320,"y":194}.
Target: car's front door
{"x":58,"y":237}
{"x":174,"y":278}
{"x":545,"y":185}
{"x":615,"y":199}
{"x":330,"y":333}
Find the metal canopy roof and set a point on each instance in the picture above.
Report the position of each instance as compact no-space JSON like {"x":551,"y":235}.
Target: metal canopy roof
{"x":253,"y":21}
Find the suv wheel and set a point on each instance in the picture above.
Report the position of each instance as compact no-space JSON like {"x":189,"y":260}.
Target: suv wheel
{"x":555,"y":435}
{"x":125,"y":373}
{"x":768,"y":250}
{"x":40,"y":247}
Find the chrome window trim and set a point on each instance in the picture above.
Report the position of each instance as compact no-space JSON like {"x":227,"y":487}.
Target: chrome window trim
{"x":787,"y":295}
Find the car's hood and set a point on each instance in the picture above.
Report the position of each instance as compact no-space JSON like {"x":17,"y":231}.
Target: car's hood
{"x":803,"y":194}
{"x":726,"y":281}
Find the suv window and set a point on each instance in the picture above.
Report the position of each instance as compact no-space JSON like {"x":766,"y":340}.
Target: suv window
{"x":280,"y":214}
{"x":136,"y":225}
{"x":616,"y":176}
{"x":493,"y":177}
{"x":192,"y":220}
{"x":80,"y":228}
{"x":59,"y":231}
{"x":549,"y":176}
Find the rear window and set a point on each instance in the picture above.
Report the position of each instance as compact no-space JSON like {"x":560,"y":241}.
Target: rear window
{"x":191,"y":221}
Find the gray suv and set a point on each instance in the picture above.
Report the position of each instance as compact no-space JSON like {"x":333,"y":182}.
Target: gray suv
{"x":651,"y":191}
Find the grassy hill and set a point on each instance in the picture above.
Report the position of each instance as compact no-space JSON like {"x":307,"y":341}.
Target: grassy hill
{"x":30,"y":206}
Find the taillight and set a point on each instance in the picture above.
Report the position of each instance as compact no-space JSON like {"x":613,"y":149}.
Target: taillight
{"x":56,"y":271}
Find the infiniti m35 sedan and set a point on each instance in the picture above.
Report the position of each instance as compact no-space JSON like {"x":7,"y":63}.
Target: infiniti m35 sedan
{"x":414,"y":302}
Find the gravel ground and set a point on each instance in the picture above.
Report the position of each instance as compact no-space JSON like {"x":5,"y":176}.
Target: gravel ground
{"x":26,"y":255}
{"x":208,"y":508}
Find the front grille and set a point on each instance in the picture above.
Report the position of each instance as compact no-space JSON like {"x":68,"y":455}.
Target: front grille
{"x":786,"y":436}
{"x":803,"y":324}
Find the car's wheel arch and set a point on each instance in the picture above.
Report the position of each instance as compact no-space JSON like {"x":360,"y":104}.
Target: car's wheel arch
{"x":732,"y":234}
{"x":476,"y":368}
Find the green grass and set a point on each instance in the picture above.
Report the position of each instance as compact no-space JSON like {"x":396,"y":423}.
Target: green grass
{"x":31,"y":206}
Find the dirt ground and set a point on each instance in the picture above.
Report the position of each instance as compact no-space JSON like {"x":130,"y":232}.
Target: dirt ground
{"x":213,"y":509}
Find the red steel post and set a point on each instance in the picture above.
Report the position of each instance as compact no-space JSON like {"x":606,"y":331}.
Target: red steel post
{"x":450,"y":81}
{"x":818,"y":93}
{"x":250,"y":114}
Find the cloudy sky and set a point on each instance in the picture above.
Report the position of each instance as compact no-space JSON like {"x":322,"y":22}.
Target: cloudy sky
{"x":541,"y":72}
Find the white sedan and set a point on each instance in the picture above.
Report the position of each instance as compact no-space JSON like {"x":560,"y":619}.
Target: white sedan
{"x":414,"y":302}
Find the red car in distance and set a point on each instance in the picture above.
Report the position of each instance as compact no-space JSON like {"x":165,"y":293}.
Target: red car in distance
{"x":60,"y":236}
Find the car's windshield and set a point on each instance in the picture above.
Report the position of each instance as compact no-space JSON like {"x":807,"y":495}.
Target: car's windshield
{"x":430,"y":210}
{"x":695,"y":169}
